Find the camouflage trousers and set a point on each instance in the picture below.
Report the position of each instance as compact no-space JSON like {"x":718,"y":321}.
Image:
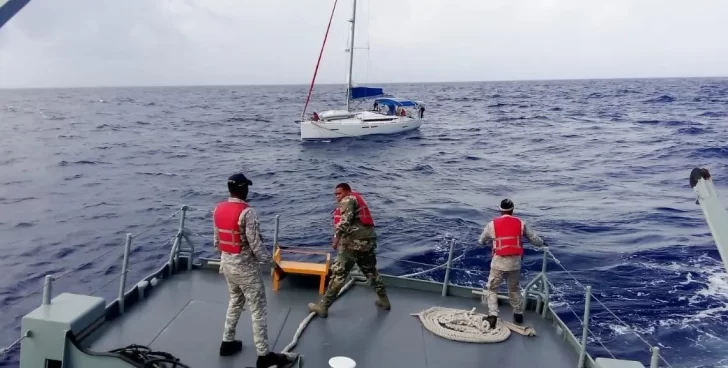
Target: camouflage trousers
{"x":242,"y":286}
{"x":495,"y":278}
{"x":345,"y":261}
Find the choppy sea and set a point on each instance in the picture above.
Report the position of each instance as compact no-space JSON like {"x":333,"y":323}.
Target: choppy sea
{"x":599,"y":168}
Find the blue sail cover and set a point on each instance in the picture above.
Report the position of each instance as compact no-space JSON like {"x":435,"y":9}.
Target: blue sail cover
{"x":365,"y":92}
{"x":9,"y":9}
{"x":395,"y":102}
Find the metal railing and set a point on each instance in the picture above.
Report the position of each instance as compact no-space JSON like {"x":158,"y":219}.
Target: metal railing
{"x":538,"y":286}
{"x":48,"y":281}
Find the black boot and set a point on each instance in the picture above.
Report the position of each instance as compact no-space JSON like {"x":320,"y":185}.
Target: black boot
{"x":518,"y":318}
{"x":230,"y":347}
{"x":492,"y":320}
{"x":274,"y":360}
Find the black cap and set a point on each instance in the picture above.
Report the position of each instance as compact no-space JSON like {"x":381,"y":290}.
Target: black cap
{"x":239,"y":179}
{"x":506,"y":205}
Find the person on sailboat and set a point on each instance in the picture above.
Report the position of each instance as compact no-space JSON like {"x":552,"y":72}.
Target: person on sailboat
{"x":354,"y":233}
{"x":237,"y":237}
{"x":506,"y":232}
{"x":315,"y":116}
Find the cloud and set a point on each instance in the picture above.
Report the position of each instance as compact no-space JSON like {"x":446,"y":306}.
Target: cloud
{"x":171,"y":42}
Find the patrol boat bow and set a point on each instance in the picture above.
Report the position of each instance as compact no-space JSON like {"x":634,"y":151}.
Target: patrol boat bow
{"x":180,"y":308}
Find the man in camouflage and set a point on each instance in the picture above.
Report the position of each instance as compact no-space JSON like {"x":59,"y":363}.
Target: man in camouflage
{"x":506,"y":265}
{"x":242,"y":272}
{"x":356,"y":244}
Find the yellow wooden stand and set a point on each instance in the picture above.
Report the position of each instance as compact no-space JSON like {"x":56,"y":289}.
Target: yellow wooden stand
{"x":301,"y":268}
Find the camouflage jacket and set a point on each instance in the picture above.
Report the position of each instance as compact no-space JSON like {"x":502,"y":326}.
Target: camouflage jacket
{"x":352,"y":234}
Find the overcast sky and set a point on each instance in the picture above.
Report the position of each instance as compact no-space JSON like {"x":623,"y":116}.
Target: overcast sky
{"x":193,"y":42}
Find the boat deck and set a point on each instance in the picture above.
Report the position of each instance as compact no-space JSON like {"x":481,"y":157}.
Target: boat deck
{"x":185,"y":317}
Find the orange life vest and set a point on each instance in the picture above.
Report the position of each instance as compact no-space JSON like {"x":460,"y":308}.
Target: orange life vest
{"x":363,"y":212}
{"x":507,"y":238}
{"x":227,"y":215}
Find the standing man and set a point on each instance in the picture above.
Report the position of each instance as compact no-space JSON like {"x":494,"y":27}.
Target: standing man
{"x":354,"y":234}
{"x":506,"y":232}
{"x":237,"y":237}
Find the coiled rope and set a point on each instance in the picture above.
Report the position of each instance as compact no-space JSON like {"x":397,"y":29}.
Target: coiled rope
{"x":468,"y":326}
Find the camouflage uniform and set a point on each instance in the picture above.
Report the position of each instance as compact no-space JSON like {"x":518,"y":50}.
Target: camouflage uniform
{"x":357,"y":245}
{"x":508,"y":266}
{"x":243,"y":276}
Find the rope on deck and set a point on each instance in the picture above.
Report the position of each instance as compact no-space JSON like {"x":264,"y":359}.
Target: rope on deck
{"x":308,"y":319}
{"x":468,"y":326}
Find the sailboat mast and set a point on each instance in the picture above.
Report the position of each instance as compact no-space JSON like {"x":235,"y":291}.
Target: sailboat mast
{"x":351,"y":56}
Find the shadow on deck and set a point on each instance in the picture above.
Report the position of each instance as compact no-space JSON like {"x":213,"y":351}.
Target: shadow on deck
{"x":185,"y":317}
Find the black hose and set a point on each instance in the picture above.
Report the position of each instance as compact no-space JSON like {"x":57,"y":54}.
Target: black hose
{"x":145,"y":357}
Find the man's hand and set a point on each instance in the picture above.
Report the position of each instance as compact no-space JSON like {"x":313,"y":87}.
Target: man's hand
{"x":335,"y":243}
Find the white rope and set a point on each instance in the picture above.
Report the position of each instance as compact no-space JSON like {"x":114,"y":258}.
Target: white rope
{"x":434,"y":268}
{"x":14,"y":344}
{"x":468,"y":326}
{"x":308,"y":319}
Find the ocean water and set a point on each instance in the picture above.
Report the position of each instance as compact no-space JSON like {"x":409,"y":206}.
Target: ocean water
{"x":599,"y":168}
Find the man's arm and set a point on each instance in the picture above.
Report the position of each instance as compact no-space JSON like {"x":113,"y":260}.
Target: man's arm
{"x":347,"y":207}
{"x":532,"y":236}
{"x":215,"y":234}
{"x":487,"y":233}
{"x":251,"y":226}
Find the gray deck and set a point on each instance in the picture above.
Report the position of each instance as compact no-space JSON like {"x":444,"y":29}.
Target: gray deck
{"x":185,"y":317}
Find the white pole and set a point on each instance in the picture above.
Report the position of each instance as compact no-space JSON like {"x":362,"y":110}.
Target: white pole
{"x":351,"y":56}
{"x":713,"y":210}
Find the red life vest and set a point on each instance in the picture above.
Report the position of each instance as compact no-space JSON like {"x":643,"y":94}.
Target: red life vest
{"x":507,"y":238}
{"x":363,"y":211}
{"x":227,"y":215}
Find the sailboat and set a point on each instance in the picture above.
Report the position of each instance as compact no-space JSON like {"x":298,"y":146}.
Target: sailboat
{"x":387,"y":114}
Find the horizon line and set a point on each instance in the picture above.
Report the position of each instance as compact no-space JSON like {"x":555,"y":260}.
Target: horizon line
{"x":363,"y":84}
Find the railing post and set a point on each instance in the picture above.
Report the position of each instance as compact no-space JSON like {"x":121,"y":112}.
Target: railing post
{"x":172,"y":253}
{"x":192,"y":252}
{"x":180,"y":232}
{"x":546,"y":296}
{"x":447,"y":268}
{"x":545,"y":280}
{"x":539,"y":301}
{"x":275,"y":231}
{"x":124,"y":270}
{"x":585,"y":328}
{"x":47,"y":289}
{"x":655,"y":362}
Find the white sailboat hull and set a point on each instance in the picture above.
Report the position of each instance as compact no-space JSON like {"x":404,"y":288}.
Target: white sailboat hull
{"x":357,"y":126}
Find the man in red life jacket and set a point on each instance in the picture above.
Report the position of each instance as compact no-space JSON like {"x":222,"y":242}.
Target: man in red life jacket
{"x":237,"y":237}
{"x":356,"y":241}
{"x":506,"y":232}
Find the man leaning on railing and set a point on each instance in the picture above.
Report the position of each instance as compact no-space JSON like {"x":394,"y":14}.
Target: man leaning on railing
{"x":506,"y":232}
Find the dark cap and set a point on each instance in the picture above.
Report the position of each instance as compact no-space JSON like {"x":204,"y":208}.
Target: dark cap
{"x":239,"y":179}
{"x":506,"y":205}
